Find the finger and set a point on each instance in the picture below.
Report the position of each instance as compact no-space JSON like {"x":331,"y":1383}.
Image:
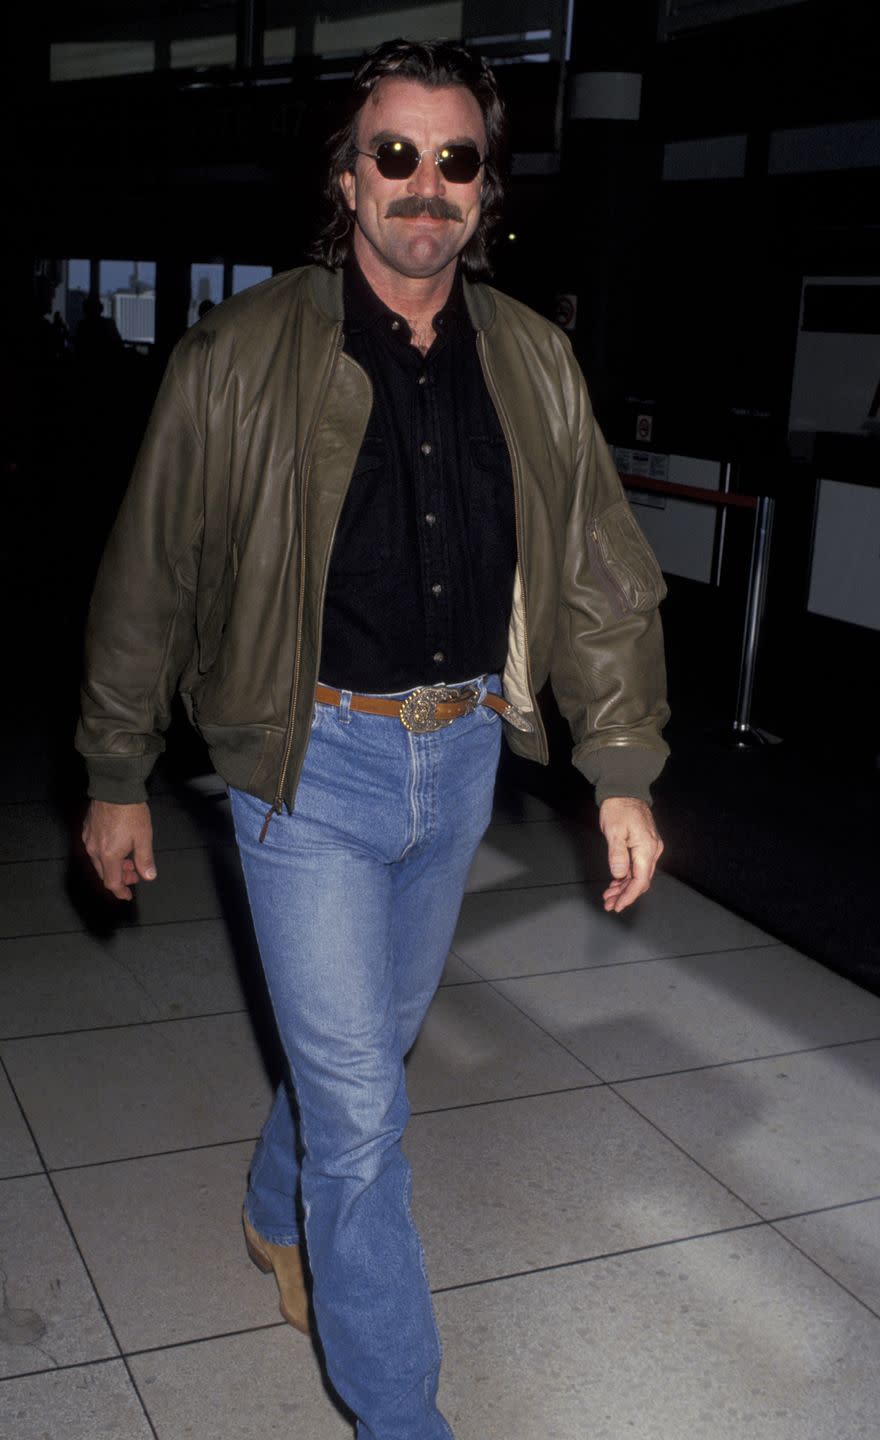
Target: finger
{"x":144,"y":861}
{"x":623,"y":897}
{"x":610,"y":896}
{"x":114,"y":880}
{"x":618,"y":858}
{"x":644,"y":863}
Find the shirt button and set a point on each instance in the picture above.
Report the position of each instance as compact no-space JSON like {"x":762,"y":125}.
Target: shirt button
{"x":438,"y":657}
{"x":430,"y":519}
{"x":436,"y":589}
{"x":426,"y":448}
{"x":422,"y":380}
{"x":395,"y":324}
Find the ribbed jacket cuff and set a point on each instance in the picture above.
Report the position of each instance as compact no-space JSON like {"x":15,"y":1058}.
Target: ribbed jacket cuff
{"x":119,"y":779}
{"x":622,"y":770}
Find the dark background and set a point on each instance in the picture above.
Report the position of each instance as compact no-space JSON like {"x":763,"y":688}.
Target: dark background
{"x":688,"y":301}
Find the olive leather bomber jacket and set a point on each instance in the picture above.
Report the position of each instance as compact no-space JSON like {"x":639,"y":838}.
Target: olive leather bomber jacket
{"x":213,"y":578}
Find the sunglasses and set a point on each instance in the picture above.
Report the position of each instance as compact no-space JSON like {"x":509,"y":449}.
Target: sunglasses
{"x":398,"y":159}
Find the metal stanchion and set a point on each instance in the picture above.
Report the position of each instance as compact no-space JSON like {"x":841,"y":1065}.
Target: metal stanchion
{"x":726,"y":478}
{"x":744,"y":736}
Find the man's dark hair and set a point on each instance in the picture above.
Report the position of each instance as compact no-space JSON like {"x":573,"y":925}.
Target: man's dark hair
{"x":433,"y":63}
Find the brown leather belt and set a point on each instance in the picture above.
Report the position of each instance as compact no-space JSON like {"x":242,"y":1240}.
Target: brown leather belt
{"x":431,"y":707}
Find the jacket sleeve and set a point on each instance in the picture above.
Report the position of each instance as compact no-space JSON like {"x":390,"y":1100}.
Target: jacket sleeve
{"x":608,"y":671}
{"x":141,"y":622}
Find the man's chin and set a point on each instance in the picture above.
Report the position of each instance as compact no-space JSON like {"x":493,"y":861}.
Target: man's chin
{"x":426,"y":254}
{"x":416,"y":253}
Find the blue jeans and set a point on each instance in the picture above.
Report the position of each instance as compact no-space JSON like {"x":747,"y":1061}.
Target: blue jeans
{"x":355,"y":897}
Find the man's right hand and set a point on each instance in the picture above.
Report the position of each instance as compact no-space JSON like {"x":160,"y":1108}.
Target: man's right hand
{"x":119,"y":843}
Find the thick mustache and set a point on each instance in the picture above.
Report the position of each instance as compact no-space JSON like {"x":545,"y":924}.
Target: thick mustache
{"x":410,"y":207}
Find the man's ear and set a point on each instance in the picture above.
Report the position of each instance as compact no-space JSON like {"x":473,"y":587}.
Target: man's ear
{"x":348,"y":186}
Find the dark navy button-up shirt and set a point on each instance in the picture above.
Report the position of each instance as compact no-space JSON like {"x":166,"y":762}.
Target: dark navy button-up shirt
{"x":421,"y":575}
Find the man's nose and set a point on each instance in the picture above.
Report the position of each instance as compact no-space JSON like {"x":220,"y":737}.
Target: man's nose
{"x":427,"y":179}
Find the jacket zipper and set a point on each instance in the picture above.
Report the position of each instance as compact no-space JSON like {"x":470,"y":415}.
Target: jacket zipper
{"x":277,"y":803}
{"x":517,"y":509}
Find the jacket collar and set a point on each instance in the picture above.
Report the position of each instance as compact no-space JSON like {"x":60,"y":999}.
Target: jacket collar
{"x":326,"y":290}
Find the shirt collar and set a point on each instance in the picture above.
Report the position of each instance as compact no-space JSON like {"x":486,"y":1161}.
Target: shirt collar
{"x":363,"y":309}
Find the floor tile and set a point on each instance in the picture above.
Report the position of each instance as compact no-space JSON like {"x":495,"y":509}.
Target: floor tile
{"x":846,"y":1243}
{"x":189,"y":816}
{"x":476,"y":1046}
{"x":517,"y":1185}
{"x":17,"y":1153}
{"x":105,"y":1094}
{"x":34,"y":899}
{"x":244,"y":1387}
{"x":83,"y":1404}
{"x":27,"y":771}
{"x":190,"y":967}
{"x":192,"y":885}
{"x":49,"y":1314}
{"x":33,"y":831}
{"x":630,"y":1020}
{"x":547,"y":852}
{"x":732,"y":1337}
{"x":66,"y":982}
{"x":563,"y":927}
{"x":48,"y":897}
{"x":163,"y":1242}
{"x":513,"y":806}
{"x":78,"y":981}
{"x":456,"y":972}
{"x":789,"y":1134}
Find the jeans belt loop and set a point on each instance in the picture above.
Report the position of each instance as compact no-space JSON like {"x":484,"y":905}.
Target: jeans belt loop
{"x":345,"y":707}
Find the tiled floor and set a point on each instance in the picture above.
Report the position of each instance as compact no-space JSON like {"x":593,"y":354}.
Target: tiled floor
{"x":645,"y":1148}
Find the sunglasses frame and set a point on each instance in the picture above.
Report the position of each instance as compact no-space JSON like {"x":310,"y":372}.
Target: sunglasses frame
{"x":408,"y":146}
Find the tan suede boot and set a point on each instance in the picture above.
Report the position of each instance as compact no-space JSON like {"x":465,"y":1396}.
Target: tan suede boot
{"x":286,"y":1263}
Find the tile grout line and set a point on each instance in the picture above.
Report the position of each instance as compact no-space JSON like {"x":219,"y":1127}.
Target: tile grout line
{"x":447,"y":985}
{"x":478,"y":979}
{"x":144,"y":1024}
{"x":120,"y":1355}
{"x":813,"y":1261}
{"x":596,"y":1082}
{"x":61,"y":1369}
{"x":654,"y":1126}
{"x":153,"y":1155}
{"x":687,"y":1070}
{"x":44,"y":1170}
{"x":626,"y":964}
{"x":160,"y":854}
{"x":116,"y":929}
{"x":745,"y":1060}
{"x":698,"y":890}
{"x":761,"y":1223}
{"x":758,"y":1224}
{"x":147,"y":1350}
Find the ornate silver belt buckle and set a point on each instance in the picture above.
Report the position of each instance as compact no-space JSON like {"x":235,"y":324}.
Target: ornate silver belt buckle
{"x":418,"y":712}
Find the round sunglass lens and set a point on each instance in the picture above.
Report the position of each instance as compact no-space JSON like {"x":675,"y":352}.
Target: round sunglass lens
{"x":396,"y":159}
{"x":459,"y":163}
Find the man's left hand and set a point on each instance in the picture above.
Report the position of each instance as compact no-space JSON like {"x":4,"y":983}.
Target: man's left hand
{"x":634,"y":847}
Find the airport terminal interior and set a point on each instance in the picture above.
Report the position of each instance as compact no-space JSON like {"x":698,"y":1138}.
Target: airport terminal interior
{"x":645,"y":1147}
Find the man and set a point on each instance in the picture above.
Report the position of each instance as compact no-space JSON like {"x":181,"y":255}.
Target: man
{"x":363,"y":481}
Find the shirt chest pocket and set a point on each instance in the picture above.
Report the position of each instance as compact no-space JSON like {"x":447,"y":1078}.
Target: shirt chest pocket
{"x":491,"y":491}
{"x":363,"y":535}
